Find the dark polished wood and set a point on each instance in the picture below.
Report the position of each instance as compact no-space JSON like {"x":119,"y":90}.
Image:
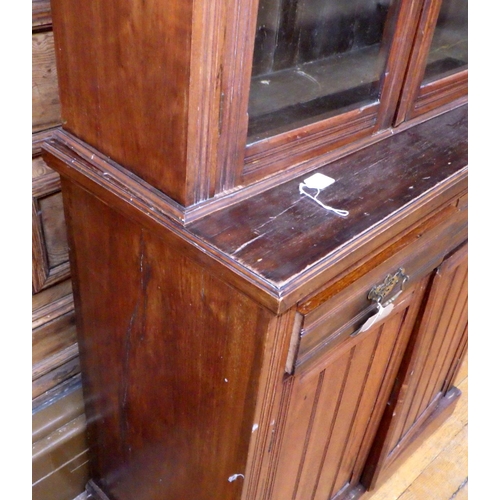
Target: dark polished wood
{"x":221,"y":315}
{"x":281,"y":283}
{"x":301,"y":230}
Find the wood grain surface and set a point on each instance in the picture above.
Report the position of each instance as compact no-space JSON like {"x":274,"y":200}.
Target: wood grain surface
{"x":371,"y":184}
{"x":46,"y":106}
{"x":439,"y":468}
{"x":183,"y":351}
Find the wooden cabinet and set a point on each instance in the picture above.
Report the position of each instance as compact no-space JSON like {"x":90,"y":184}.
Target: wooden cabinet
{"x":221,"y":296}
{"x":331,"y":410}
{"x":59,"y":470}
{"x":357,"y":402}
{"x":437,"y":71}
{"x":424,"y":390}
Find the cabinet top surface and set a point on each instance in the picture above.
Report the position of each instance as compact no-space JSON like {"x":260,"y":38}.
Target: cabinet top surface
{"x":280,"y":245}
{"x":281,"y":234}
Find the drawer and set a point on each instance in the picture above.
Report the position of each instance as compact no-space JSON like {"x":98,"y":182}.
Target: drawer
{"x":405,"y":262}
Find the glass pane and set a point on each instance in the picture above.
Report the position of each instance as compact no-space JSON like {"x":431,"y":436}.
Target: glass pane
{"x":448,"y":53}
{"x":314,"y":59}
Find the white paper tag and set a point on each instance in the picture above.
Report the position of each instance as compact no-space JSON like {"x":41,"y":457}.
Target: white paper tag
{"x":318,"y":181}
{"x":382,"y":313}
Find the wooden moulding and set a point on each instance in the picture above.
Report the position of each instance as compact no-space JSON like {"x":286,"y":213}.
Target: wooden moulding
{"x":183,"y":77}
{"x":421,"y":44}
{"x":41,"y":15}
{"x":426,"y":175}
{"x":418,"y":98}
{"x":268,"y":406}
{"x":315,"y":141}
{"x":440,"y":92}
{"x":49,"y":245}
{"x":37,"y":140}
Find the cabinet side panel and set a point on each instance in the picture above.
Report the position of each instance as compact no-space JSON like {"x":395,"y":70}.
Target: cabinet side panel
{"x":123,"y":69}
{"x":170,"y":361}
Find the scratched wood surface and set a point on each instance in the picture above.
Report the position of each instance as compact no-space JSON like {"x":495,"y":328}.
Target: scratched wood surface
{"x":282,"y":233}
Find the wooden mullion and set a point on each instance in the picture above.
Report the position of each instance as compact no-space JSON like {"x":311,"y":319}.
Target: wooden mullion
{"x":406,"y":23}
{"x":418,"y":58}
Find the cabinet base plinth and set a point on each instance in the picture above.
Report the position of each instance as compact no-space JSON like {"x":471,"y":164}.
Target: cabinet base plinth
{"x":429,"y":424}
{"x":94,"y":492}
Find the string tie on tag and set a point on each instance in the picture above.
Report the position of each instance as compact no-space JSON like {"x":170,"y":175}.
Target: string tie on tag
{"x":342,"y":213}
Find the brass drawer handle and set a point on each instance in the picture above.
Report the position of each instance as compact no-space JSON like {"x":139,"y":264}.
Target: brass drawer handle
{"x":377,"y":295}
{"x":379,"y":292}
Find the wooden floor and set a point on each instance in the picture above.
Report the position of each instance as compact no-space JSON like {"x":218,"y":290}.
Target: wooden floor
{"x":438,"y":470}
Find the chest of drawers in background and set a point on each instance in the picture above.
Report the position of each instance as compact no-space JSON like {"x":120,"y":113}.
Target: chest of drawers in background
{"x":58,"y":426}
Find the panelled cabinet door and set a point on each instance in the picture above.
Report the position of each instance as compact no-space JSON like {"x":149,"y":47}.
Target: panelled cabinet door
{"x":331,"y":408}
{"x":423,"y":395}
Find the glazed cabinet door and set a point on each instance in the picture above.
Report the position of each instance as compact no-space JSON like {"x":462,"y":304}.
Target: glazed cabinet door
{"x":438,"y":68}
{"x":423,"y":395}
{"x":331,"y":407}
{"x":324,"y":74}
